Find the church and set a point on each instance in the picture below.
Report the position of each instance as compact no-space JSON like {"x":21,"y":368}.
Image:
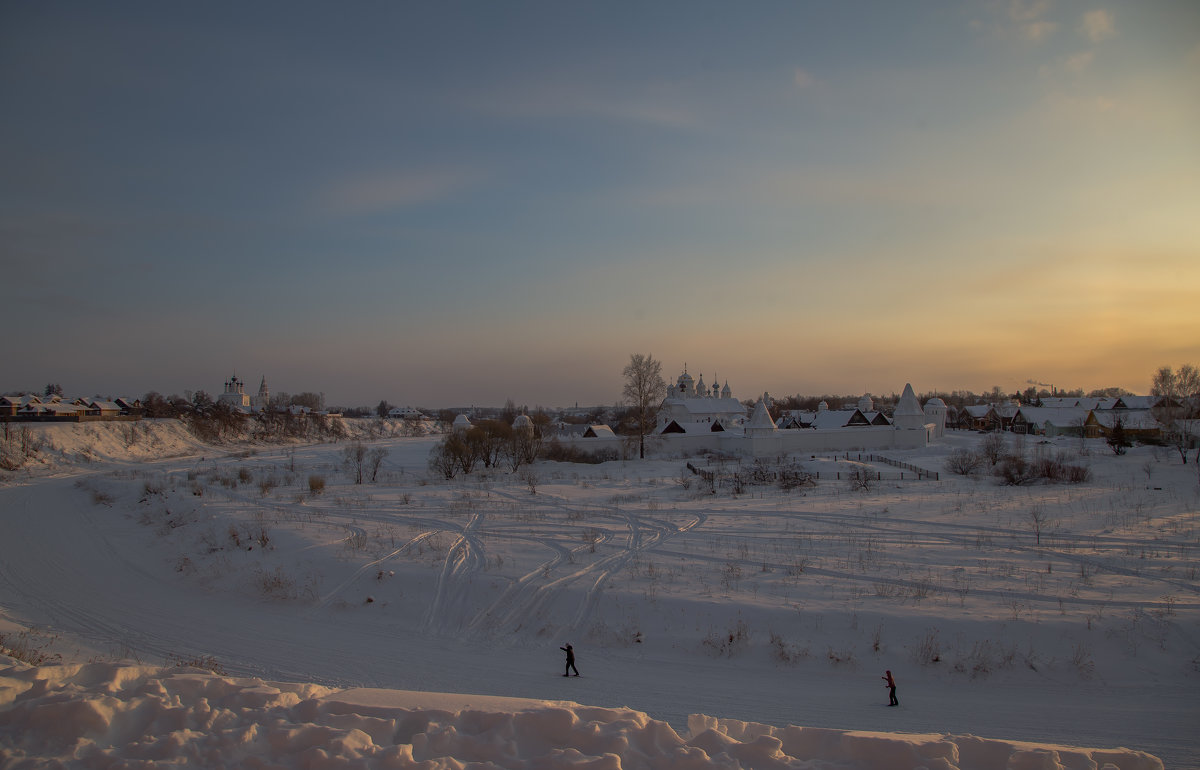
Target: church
{"x":692,"y":407}
{"x":235,"y":395}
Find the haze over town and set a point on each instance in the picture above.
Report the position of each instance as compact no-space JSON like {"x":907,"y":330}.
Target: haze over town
{"x":452,"y":204}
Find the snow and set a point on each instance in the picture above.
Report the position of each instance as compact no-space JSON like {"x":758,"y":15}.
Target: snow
{"x":92,"y":715}
{"x":343,"y":625}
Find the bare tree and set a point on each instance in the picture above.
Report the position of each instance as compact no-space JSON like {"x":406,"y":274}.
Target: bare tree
{"x":1080,"y":424}
{"x":522,"y":446}
{"x":993,"y":447}
{"x":1179,"y":398}
{"x":442,"y":460}
{"x":462,"y":451}
{"x":1038,"y":521}
{"x":314,"y":401}
{"x":355,"y":459}
{"x":644,"y":390}
{"x":487,"y":440}
{"x":374,"y":460}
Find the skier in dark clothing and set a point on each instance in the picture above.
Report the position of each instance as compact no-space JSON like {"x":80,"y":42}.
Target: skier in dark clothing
{"x":570,"y":660}
{"x":891,"y":685}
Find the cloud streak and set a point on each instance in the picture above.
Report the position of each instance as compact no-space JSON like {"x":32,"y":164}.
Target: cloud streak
{"x":1028,"y":16}
{"x":1079,"y":63}
{"x":1098,"y":26}
{"x":648,"y":104}
{"x":803,"y":79}
{"x":368,"y":194}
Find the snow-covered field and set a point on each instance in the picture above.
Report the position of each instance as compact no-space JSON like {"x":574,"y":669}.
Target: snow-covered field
{"x":770,"y":606}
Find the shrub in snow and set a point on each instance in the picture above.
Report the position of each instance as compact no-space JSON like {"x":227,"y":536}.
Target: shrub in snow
{"x":928,"y":649}
{"x":861,"y":479}
{"x":1017,"y":470}
{"x":17,"y":446}
{"x":786,"y":652}
{"x":729,"y":643}
{"x":556,"y":451}
{"x":964,"y":462}
{"x":275,"y":584}
{"x":29,"y":646}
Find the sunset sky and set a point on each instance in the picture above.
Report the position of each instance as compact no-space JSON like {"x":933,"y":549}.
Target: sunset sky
{"x":441,"y":203}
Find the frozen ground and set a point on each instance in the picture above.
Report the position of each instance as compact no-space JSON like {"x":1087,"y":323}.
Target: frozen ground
{"x":769,"y":606}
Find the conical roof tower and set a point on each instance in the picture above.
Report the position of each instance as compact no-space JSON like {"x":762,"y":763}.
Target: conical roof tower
{"x":909,"y":413}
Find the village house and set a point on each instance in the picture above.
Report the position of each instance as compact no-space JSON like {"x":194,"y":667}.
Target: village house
{"x":1054,"y":421}
{"x":57,"y":409}
{"x":1138,"y":424}
{"x":979,"y":417}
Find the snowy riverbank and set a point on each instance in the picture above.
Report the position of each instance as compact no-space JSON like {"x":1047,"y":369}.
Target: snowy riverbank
{"x":780,"y":606}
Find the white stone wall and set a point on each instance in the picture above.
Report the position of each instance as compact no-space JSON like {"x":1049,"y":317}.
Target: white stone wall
{"x":782,"y":441}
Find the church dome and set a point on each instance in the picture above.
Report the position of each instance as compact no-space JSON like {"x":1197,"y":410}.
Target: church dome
{"x":686,"y":385}
{"x":935,"y":401}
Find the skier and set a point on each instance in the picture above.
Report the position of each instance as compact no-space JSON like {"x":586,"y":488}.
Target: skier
{"x":570,"y":660}
{"x":891,"y":685}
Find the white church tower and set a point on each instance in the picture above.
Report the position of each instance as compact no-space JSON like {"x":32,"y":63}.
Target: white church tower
{"x":935,"y":414}
{"x":262,"y":401}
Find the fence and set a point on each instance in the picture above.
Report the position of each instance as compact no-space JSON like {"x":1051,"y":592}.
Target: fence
{"x":875,"y":475}
{"x":918,"y":473}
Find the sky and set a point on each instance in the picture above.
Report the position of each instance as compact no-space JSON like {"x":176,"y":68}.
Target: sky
{"x":453,"y":203}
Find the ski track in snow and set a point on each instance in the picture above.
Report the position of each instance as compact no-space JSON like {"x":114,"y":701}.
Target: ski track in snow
{"x":463,"y":561}
{"x":906,"y":532}
{"x":53,"y":583}
{"x":524,"y":599}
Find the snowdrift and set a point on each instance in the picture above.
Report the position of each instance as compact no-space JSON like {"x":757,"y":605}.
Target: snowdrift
{"x":51,"y":446}
{"x":109,"y":714}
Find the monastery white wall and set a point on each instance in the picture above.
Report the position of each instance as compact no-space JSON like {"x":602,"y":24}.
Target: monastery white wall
{"x":779,"y":442}
{"x":846,"y":439}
